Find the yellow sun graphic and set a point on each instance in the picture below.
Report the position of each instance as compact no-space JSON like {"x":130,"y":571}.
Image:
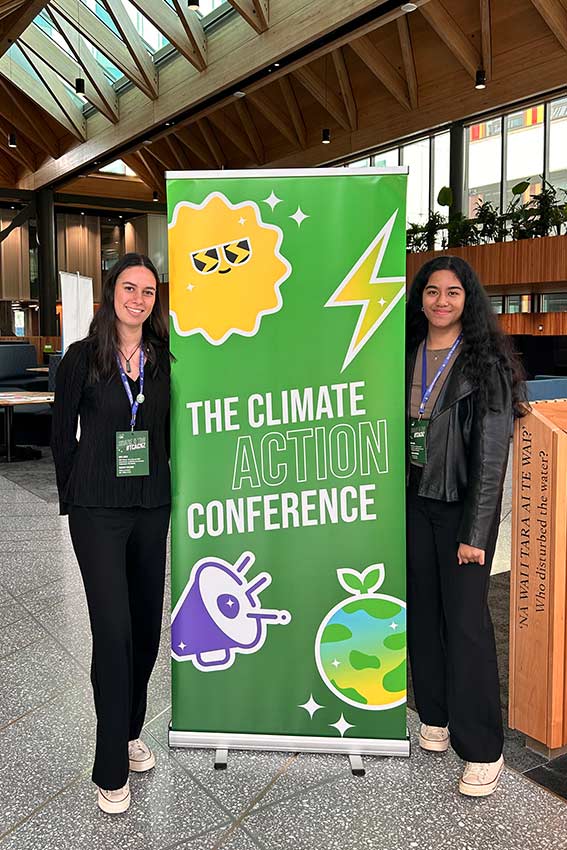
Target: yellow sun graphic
{"x":225,"y":268}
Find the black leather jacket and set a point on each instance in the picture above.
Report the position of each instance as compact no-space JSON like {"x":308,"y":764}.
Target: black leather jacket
{"x":467,"y":450}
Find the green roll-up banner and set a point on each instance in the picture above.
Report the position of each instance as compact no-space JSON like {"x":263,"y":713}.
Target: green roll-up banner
{"x":288,"y":523}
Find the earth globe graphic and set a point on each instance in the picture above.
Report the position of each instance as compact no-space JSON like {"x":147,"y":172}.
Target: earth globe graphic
{"x":360,"y":647}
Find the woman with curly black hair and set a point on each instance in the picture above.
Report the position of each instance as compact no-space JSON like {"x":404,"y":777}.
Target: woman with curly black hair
{"x":464,"y":388}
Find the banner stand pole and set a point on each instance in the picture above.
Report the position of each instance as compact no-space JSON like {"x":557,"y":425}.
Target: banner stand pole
{"x":221,"y":759}
{"x":356,"y":765}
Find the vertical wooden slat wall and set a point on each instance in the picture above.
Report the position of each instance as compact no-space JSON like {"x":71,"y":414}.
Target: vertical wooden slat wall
{"x":14,"y":261}
{"x":78,"y":247}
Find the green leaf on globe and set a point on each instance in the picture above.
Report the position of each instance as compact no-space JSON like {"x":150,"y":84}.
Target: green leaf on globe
{"x":362,"y":661}
{"x":395,"y":641}
{"x":396,"y":680}
{"x":380,"y":609}
{"x":372,"y":579}
{"x":335,"y":632}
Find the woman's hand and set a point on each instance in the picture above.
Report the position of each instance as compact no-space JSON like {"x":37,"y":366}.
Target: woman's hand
{"x":470,"y":555}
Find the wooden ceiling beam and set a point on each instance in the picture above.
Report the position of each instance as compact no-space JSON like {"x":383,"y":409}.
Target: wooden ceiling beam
{"x":91,"y":27}
{"x":273,"y":115}
{"x":377,"y":63}
{"x":134,"y":162}
{"x":486,"y":37}
{"x":346,"y":87}
{"x":98,"y":89}
{"x":12,"y":26}
{"x":189,"y":137}
{"x":25,"y":118}
{"x":255,"y":12}
{"x":8,"y":170}
{"x":66,"y":67}
{"x":251,"y":131}
{"x":408,"y":59}
{"x":23,"y":152}
{"x":294,"y":110}
{"x":172,"y":25}
{"x":212,"y":142}
{"x":134,"y":44}
{"x":450,"y":32}
{"x":554,"y":14}
{"x":75,"y":120}
{"x":162,"y":154}
{"x":179,"y":152}
{"x":37,"y":91}
{"x":194,"y":31}
{"x":316,"y":87}
{"x":233,"y":133}
{"x":156,"y":172}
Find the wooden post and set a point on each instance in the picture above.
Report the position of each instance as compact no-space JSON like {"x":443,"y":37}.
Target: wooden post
{"x":538,"y":584}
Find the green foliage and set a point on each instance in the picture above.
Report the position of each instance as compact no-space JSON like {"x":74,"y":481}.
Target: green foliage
{"x":542,"y":214}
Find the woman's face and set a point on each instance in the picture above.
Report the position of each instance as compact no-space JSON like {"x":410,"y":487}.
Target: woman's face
{"x":443,"y":300}
{"x":134,"y":296}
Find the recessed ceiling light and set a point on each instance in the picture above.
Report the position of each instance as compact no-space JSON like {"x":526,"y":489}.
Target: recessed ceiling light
{"x":12,"y":140}
{"x":326,"y":136}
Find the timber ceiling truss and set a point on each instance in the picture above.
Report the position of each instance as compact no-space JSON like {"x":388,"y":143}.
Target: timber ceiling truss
{"x":253,"y":83}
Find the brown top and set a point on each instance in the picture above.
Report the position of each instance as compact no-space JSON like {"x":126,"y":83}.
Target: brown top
{"x":434,"y":361}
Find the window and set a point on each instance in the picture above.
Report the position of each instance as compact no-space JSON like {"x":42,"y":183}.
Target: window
{"x":387,"y":159}
{"x":359,"y":163}
{"x":483,"y":164}
{"x":117,"y":167}
{"x":441,"y":146}
{"x":517,"y":303}
{"x":497,"y":302}
{"x":416,"y":157}
{"x":555,"y":302}
{"x":557,"y":167}
{"x":524,"y":150}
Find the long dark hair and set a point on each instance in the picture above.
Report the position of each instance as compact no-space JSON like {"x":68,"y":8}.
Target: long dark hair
{"x":483,"y":339}
{"x":102,"y":332}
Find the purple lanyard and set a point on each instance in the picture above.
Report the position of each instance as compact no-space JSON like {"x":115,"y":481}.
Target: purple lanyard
{"x":140,"y":397}
{"x":427,"y":390}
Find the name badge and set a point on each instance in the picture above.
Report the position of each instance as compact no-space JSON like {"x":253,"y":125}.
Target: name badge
{"x":132,"y":453}
{"x":418,"y":441}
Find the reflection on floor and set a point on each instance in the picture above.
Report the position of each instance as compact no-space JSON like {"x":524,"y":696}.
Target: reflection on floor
{"x":264,"y":801}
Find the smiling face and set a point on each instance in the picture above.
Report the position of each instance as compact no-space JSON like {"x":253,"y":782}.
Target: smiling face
{"x":443,"y":300}
{"x":134,"y":297}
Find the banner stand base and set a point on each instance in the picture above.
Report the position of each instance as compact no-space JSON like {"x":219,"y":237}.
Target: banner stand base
{"x":289,"y":743}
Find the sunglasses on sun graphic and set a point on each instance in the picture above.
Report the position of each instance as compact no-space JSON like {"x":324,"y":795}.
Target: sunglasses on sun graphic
{"x":221,"y":258}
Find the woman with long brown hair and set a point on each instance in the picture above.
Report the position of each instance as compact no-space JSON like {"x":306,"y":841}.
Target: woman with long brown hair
{"x":114,"y":484}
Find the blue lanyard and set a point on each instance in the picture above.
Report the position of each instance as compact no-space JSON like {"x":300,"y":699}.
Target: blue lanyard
{"x":140,"y":398}
{"x":427,"y":390}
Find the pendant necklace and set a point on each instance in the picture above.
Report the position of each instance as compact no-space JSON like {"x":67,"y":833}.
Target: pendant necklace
{"x":127,"y":359}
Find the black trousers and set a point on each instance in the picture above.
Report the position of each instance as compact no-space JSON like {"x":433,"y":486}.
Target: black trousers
{"x":121,"y":554}
{"x":450,"y":634}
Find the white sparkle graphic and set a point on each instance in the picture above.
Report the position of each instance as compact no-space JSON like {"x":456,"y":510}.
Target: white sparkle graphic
{"x":299,"y":216}
{"x":272,"y":201}
{"x":342,"y":726}
{"x":311,"y":706}
{"x":393,"y":626}
{"x":182,"y":646}
{"x":382,"y":302}
{"x":242,"y":221}
{"x":229,"y":603}
{"x":335,"y":662}
{"x":190,"y":287}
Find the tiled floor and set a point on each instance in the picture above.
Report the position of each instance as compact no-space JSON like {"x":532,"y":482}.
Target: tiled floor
{"x":264,"y":801}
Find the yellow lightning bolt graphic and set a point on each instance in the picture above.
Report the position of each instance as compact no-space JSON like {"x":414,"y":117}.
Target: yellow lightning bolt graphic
{"x":362,"y":287}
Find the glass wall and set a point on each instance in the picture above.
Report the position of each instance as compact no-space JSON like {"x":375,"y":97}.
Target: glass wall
{"x":515,"y":144}
{"x":428,"y":164}
{"x":558,"y":143}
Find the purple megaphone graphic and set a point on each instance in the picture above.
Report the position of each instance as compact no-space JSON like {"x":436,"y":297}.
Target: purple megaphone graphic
{"x":219,"y":614}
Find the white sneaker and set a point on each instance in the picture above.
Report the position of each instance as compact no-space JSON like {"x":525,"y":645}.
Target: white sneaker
{"x":480,"y":778}
{"x":433,"y":738}
{"x":114,"y":802}
{"x":140,"y":756}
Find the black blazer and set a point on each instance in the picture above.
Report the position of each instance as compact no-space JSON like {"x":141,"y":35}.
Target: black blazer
{"x":467,"y":448}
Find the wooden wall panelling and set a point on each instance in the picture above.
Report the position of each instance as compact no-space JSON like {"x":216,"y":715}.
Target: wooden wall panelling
{"x":136,"y":235}
{"x":14,"y":260}
{"x":79,"y":246}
